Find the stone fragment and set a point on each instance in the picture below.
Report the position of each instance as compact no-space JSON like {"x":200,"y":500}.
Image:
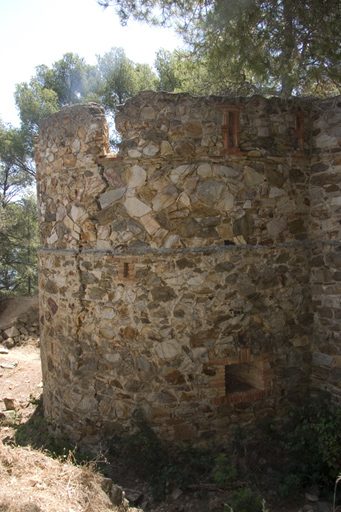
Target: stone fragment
{"x":254,"y":153}
{"x":210,"y":192}
{"x":274,"y":177}
{"x":138,"y":177}
{"x":78,"y":214}
{"x":184,"y":148}
{"x":204,"y":170}
{"x":133,"y":496}
{"x":149,"y":224}
{"x":69,"y":160}
{"x":165,"y":198}
{"x":114,"y":491}
{"x":225,"y":172}
{"x":9,"y":404}
{"x":166,"y":148}
{"x":192,"y":128}
{"x":226,"y":203}
{"x":111,"y":196}
{"x":151,"y":149}
{"x":135,"y":207}
{"x":106,"y":333}
{"x":12,"y":332}
{"x":147,"y":113}
{"x":134,"y":153}
{"x":168,"y":350}
{"x":180,"y":173}
{"x":252,"y":177}
{"x":243,"y":226}
{"x":52,"y":305}
{"x":61,"y":212}
{"x":276,"y":227}
{"x":163,"y":294}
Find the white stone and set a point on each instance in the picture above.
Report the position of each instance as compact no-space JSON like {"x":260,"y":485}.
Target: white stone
{"x":196,"y":281}
{"x":113,"y":358}
{"x":165,"y":198}
{"x":252,"y":177}
{"x":108,"y":313}
{"x":326,"y":141}
{"x":226,"y":203}
{"x":180,"y":173}
{"x":103,"y":244}
{"x":76,"y":146}
{"x":150,"y":224}
{"x":94,"y":186}
{"x":184,"y":201}
{"x":166,"y":148}
{"x":61,"y":212}
{"x":78,"y":214}
{"x":52,"y":239}
{"x":336,"y":201}
{"x":151,"y":150}
{"x":172,"y":241}
{"x":110,"y":196}
{"x":168,"y":350}
{"x":12,"y":332}
{"x":200,"y":354}
{"x":68,"y":222}
{"x":135,"y":207}
{"x":211,"y":192}
{"x":204,"y":170}
{"x":225,"y":172}
{"x":134,"y":153}
{"x":138,"y":177}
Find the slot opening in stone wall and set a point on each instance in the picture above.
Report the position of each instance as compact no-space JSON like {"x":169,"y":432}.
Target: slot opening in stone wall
{"x":242,"y":378}
{"x":126,"y":270}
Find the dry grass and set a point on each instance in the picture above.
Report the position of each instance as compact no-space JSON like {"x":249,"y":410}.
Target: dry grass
{"x":30,"y":481}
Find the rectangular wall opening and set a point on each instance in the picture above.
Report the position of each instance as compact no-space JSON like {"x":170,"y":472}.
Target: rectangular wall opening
{"x":241,"y":378}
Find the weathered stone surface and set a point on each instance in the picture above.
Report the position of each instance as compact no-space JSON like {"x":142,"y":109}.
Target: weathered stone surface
{"x":12,"y":332}
{"x":168,"y":350}
{"x":111,"y":196}
{"x":135,"y":207}
{"x":180,"y":257}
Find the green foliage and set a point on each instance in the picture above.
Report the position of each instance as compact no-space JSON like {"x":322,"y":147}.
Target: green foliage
{"x":16,"y":169}
{"x":34,"y":102}
{"x":270,"y":46}
{"x":313,"y":440}
{"x":155,"y":461}
{"x":121,"y":78}
{"x":18,"y":246}
{"x":70,"y":78}
{"x":167,"y":65}
{"x":244,"y":500}
{"x":224,"y":472}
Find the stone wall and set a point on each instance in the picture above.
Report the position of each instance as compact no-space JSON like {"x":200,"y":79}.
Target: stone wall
{"x":175,"y":276}
{"x":325,"y":231}
{"x":19,"y":321}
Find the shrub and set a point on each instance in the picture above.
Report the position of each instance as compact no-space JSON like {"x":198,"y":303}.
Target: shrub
{"x":313,"y":441}
{"x":244,"y":500}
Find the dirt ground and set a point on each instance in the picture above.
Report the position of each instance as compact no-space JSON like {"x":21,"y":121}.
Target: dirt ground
{"x":20,"y":381}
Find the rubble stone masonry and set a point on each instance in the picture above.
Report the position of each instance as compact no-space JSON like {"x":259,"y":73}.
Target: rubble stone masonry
{"x":194,"y":276}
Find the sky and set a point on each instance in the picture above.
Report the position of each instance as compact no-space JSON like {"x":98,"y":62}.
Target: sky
{"x":34,"y":32}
